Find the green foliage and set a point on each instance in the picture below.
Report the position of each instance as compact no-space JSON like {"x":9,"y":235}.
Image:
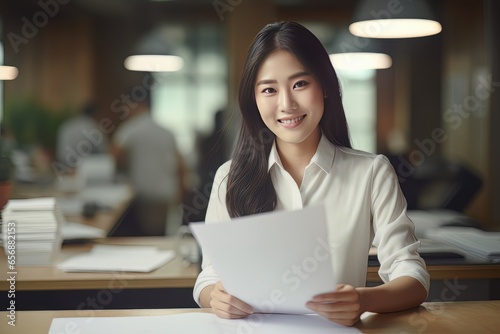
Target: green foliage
{"x":31,"y":123}
{"x":6,"y":168}
{"x":6,"y":164}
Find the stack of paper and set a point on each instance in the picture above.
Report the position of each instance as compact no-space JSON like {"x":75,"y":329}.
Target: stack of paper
{"x":33,"y":227}
{"x":118,"y":258}
{"x":479,"y":244}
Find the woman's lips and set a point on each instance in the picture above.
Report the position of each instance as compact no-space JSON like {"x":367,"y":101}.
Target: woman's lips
{"x":292,"y":122}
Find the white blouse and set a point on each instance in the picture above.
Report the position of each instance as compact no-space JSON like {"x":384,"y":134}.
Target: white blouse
{"x":364,"y":206}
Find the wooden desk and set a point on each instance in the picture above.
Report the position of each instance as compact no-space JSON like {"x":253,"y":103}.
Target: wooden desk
{"x":453,"y":271}
{"x":174,"y":274}
{"x":456,"y":317}
{"x":438,"y":317}
{"x":467,"y":267}
{"x":45,"y":288}
{"x":468,"y":279}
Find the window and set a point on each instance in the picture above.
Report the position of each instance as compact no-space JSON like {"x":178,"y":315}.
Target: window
{"x":359,"y":99}
{"x":185,"y":102}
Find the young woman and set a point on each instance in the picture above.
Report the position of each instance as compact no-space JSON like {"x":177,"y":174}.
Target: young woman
{"x":294,"y":151}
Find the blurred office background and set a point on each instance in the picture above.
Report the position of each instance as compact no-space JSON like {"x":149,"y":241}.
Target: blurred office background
{"x":437,"y":105}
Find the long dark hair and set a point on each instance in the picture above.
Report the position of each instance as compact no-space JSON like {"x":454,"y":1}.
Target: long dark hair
{"x":249,"y":187}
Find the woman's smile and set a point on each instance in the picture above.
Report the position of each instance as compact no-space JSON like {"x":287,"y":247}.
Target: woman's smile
{"x":291,"y":122}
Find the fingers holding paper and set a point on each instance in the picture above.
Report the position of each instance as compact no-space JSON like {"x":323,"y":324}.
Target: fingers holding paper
{"x":226,"y":306}
{"x":342,"y":306}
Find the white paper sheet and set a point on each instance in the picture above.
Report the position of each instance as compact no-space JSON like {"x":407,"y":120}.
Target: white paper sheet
{"x":31,"y":204}
{"x":475,"y":242}
{"x":76,"y":231}
{"x":275,"y":261}
{"x":196,"y":322}
{"x":118,"y":258}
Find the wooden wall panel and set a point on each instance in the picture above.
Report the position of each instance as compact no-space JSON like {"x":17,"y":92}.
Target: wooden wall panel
{"x":465,"y":112}
{"x":55,"y":66}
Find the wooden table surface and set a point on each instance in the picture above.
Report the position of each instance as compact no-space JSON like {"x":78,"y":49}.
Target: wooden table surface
{"x":174,"y":274}
{"x":436,"y":317}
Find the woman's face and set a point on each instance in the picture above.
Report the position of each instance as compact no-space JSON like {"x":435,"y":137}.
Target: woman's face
{"x":289,"y":98}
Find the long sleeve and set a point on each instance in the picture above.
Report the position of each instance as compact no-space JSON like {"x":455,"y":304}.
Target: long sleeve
{"x":397,"y":245}
{"x":216,"y":212}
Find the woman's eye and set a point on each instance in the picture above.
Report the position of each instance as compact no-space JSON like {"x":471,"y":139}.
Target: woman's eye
{"x":269,"y":90}
{"x":299,"y":84}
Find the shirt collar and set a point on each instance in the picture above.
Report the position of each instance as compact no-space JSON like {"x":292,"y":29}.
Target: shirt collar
{"x":274,"y":157}
{"x":324,"y":156}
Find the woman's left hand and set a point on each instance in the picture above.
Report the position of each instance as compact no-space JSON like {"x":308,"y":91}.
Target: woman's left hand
{"x":342,"y":306}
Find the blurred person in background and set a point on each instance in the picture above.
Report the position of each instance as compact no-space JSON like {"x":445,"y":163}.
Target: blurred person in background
{"x":79,"y":137}
{"x":147,"y":154}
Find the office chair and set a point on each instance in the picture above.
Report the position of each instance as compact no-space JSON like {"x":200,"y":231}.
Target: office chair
{"x":439,"y":183}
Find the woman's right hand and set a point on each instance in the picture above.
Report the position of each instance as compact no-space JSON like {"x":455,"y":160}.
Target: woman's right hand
{"x":226,"y":306}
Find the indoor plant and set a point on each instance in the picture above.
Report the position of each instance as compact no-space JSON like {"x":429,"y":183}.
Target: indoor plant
{"x":6,"y":171}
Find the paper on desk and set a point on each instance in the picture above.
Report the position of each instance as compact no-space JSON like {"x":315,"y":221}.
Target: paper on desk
{"x":478,"y":243}
{"x":275,"y":261}
{"x":31,"y":204}
{"x":75,"y":231}
{"x":197,"y":322}
{"x":118,"y":258}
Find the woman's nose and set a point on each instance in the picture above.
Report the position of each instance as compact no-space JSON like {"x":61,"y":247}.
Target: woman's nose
{"x":287,"y":102}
